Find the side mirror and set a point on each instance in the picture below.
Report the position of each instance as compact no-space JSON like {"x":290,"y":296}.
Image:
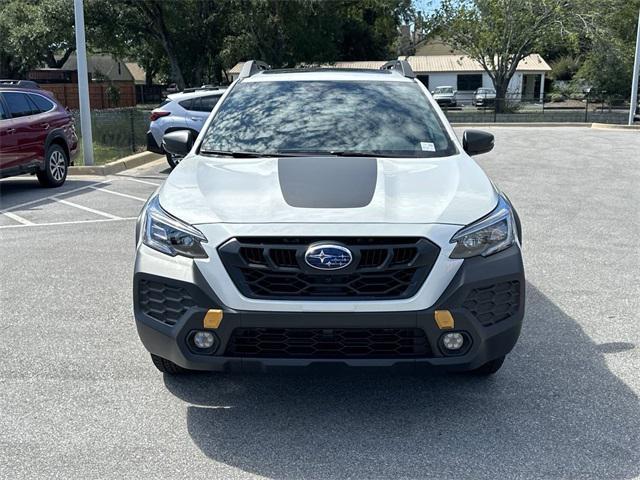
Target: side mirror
{"x":178,"y":142}
{"x":476,"y":142}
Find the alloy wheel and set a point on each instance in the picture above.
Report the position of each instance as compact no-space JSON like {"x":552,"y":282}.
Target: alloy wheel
{"x":57,"y":165}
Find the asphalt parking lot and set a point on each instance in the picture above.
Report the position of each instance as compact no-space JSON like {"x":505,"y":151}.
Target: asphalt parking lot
{"x":81,"y":399}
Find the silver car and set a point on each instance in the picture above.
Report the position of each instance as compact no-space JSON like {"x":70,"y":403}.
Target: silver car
{"x":445,"y":96}
{"x":187,"y":110}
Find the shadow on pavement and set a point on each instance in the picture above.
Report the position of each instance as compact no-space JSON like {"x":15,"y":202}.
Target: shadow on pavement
{"x":553,"y":411}
{"x":17,"y":190}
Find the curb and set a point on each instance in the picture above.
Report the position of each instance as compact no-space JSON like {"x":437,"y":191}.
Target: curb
{"x":612,"y":126}
{"x":524,"y":124}
{"x":125,"y":163}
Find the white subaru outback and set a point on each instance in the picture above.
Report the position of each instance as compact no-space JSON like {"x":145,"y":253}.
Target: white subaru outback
{"x":328,"y":216}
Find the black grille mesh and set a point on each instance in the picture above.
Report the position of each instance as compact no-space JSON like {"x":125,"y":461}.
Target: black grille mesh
{"x":274,"y":268}
{"x":494,"y":303}
{"x":328,"y":343}
{"x":163,"y":302}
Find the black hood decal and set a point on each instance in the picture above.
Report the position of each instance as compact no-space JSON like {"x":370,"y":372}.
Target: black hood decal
{"x":328,"y":182}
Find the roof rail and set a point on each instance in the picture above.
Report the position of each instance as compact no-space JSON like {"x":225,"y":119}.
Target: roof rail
{"x":203,"y":87}
{"x":401,"y":66}
{"x":252,"y":67}
{"x":20,"y":83}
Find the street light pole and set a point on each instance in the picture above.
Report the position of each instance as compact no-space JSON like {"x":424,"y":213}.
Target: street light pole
{"x":636,"y":73}
{"x":83,"y":84}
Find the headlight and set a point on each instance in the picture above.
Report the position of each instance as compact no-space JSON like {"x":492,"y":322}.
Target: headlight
{"x":488,"y":235}
{"x":169,"y":235}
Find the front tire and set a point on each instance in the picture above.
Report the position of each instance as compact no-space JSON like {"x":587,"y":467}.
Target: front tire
{"x":173,"y":160}
{"x":167,"y":366}
{"x":56,"y":166}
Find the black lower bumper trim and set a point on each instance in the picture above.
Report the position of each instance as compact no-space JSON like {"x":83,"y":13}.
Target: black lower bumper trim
{"x":152,"y":145}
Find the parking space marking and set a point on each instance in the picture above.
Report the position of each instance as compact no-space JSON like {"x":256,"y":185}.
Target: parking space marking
{"x":17,"y":218}
{"x":139,"y":181}
{"x":125,"y":195}
{"x":70,"y":222}
{"x":52,"y":197}
{"x":87,"y":209}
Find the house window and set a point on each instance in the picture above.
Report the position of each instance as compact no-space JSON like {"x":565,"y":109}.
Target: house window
{"x":424,"y":79}
{"x":469,"y":82}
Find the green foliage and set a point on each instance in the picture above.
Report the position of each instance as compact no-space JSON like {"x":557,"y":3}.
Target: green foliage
{"x":608,"y":62}
{"x":33,"y":31}
{"x":564,"y":68}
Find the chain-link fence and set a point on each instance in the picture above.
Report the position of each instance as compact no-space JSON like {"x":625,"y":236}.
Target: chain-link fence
{"x":116,"y":133}
{"x":516,"y":109}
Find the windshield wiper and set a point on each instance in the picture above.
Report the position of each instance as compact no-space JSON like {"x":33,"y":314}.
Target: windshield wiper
{"x":336,"y":153}
{"x":237,"y":154}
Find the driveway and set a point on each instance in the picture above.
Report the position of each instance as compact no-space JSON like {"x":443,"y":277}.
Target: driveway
{"x":81,"y":399}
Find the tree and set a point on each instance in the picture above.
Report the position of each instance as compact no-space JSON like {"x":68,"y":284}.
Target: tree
{"x":500,"y":33}
{"x":35,"y":32}
{"x":608,"y":63}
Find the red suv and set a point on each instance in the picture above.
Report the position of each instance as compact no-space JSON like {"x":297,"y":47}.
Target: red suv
{"x":37,"y":134}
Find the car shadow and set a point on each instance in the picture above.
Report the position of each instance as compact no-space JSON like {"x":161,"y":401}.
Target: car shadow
{"x":18,"y":190}
{"x":554,"y":411}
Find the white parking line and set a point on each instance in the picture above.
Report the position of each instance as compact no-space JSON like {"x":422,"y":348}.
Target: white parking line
{"x":70,"y":222}
{"x":139,"y":181}
{"x":51,"y":197}
{"x":87,"y":209}
{"x":125,"y":195}
{"x":17,"y":218}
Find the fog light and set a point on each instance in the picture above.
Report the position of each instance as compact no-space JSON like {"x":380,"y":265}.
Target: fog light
{"x":453,"y":341}
{"x":203,"y":340}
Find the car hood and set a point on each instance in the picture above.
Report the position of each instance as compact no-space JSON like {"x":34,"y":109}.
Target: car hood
{"x":451,"y":190}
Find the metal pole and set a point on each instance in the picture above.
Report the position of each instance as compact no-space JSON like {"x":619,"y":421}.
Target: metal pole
{"x":634,"y":81}
{"x":83,"y":84}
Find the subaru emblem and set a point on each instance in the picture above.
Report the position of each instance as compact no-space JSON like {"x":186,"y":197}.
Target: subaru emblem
{"x":328,"y":257}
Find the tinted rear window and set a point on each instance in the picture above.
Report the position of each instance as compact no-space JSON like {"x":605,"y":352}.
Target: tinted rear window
{"x":390,"y":118}
{"x":43,"y":104}
{"x":18,"y":104}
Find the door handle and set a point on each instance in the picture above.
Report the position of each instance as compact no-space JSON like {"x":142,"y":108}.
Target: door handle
{"x":45,"y":125}
{"x":11,"y":130}
{"x":196,"y":119}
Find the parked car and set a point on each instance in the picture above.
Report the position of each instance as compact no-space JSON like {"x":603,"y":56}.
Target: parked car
{"x":484,"y":97}
{"x":328,"y":216}
{"x":37,"y":134}
{"x":445,"y":96}
{"x":187,"y":110}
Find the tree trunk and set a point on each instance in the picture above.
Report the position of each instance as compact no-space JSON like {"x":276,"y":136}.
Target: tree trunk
{"x":500,"y":84}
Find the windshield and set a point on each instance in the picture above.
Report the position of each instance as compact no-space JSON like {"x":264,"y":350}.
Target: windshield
{"x":443,"y":90}
{"x":486,"y":90}
{"x":327,"y":117}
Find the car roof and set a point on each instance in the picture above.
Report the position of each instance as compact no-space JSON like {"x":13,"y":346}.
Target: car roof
{"x":8,"y":88}
{"x":327,"y":74}
{"x":178,"y":97}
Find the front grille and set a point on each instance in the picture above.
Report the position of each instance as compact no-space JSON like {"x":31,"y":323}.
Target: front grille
{"x":494,"y":303}
{"x":328,"y":343}
{"x":382,"y":268}
{"x":163,"y":302}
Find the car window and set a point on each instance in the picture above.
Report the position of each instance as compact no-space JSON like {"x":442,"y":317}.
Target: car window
{"x":43,"y":104}
{"x":3,"y":113}
{"x":18,"y":104}
{"x":206,"y":104}
{"x":186,"y":104}
{"x":392,"y":118}
{"x":444,"y":90}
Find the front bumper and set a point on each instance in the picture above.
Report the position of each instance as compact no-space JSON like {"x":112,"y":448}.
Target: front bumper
{"x":488,"y":340}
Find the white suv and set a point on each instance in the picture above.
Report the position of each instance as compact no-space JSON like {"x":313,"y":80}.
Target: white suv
{"x":328,"y":216}
{"x":186,"y":110}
